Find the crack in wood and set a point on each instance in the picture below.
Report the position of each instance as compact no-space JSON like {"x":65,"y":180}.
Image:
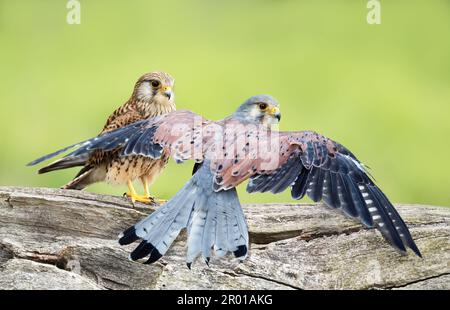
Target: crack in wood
{"x":417,"y":281}
{"x":238,"y":273}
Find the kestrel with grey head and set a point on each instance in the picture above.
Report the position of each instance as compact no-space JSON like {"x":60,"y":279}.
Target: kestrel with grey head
{"x":152,"y":96}
{"x":242,"y":147}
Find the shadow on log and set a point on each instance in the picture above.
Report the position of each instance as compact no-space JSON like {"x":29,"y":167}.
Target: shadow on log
{"x":62,"y":239}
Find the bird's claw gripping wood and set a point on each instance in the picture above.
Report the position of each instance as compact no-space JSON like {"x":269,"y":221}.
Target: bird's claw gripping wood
{"x":147,"y":194}
{"x":140,"y":198}
{"x":146,"y":198}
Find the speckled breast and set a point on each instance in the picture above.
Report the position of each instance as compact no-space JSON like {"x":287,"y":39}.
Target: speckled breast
{"x":120,"y":169}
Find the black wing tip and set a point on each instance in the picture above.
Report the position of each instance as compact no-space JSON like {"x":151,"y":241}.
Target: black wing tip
{"x":405,"y":251}
{"x":43,"y":170}
{"x":418,"y":253}
{"x":38,"y":161}
{"x":401,"y":248}
{"x":48,"y":156}
{"x":241,"y":251}
{"x":189,"y":265}
{"x":128,"y":236}
{"x":415,"y":249}
{"x":406,"y":239}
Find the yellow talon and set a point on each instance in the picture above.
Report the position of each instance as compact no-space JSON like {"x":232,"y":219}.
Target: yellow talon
{"x":139,"y":198}
{"x":146,"y":198}
{"x":147,"y":193}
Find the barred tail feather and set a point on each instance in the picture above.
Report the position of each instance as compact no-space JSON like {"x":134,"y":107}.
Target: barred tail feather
{"x":212,"y":219}
{"x":160,"y":229}
{"x":218,"y":223}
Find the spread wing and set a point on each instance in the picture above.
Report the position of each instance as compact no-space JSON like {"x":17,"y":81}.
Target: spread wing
{"x":305,"y":161}
{"x":324,"y":170}
{"x":179,"y":132}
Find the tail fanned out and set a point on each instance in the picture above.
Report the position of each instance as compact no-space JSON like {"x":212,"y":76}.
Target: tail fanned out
{"x":214,"y":220}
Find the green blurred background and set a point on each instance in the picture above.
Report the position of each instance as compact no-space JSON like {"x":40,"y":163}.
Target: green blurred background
{"x":381,"y":90}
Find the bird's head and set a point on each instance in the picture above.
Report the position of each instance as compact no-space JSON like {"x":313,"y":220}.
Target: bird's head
{"x":155,"y":87}
{"x":260,"y":109}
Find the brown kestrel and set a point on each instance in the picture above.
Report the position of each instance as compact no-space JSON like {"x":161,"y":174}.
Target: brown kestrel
{"x":152,"y":96}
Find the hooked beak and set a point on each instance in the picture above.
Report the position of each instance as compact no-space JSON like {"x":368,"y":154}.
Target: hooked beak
{"x":275,"y":111}
{"x":278,"y":116}
{"x":167,"y":91}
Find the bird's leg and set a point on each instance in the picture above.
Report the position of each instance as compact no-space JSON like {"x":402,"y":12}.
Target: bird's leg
{"x":147,"y":192}
{"x":134,"y":196}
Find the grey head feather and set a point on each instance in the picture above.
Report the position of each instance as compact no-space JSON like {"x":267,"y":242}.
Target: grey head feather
{"x":248,"y":110}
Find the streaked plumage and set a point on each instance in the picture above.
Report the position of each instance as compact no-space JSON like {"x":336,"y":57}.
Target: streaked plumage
{"x":152,"y":96}
{"x":208,"y":206}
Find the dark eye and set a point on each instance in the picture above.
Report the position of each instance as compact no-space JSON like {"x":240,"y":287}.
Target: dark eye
{"x":155,"y":83}
{"x":262,"y":106}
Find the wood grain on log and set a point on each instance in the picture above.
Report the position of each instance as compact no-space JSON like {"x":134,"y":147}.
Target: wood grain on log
{"x":62,"y":239}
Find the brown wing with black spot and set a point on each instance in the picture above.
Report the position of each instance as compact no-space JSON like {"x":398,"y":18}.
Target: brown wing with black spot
{"x":179,"y":133}
{"x":314,"y":165}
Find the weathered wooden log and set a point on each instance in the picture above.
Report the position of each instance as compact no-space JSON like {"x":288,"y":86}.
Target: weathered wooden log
{"x":62,"y":239}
